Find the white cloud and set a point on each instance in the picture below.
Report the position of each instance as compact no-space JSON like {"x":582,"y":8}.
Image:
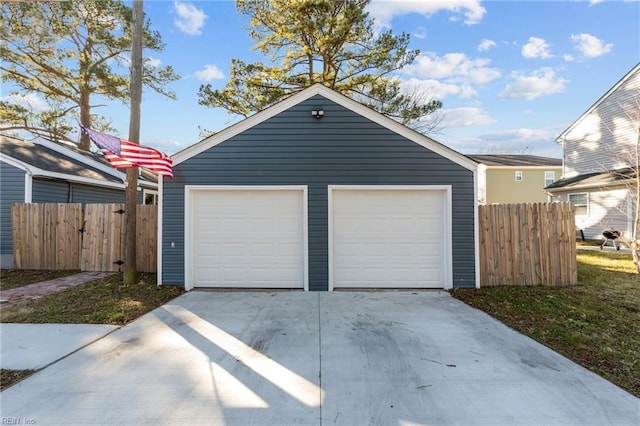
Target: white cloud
{"x":521,"y":141}
{"x":521,"y":135}
{"x":539,"y":83}
{"x":31,"y":102}
{"x":167,"y":146}
{"x":190,"y":19}
{"x":486,"y":44}
{"x":465,"y":117}
{"x":590,"y":46}
{"x":210,"y":72}
{"x":420,"y":32}
{"x":455,"y":67}
{"x":437,"y":89}
{"x":153,"y":62}
{"x":536,"y":48}
{"x":384,"y":10}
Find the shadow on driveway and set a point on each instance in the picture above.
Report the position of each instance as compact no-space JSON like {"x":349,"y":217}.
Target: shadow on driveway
{"x":361,"y":358}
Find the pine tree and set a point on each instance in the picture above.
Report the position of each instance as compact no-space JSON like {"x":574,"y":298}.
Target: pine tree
{"x":69,"y":52}
{"x":331,"y":42}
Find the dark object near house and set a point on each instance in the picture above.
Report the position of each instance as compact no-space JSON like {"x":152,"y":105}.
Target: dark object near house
{"x":610,"y":235}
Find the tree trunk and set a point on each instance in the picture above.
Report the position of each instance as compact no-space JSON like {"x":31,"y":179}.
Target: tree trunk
{"x":130,"y":271}
{"x":85,"y":120}
{"x":310,"y":59}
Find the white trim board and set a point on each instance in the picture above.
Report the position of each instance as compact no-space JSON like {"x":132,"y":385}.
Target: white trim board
{"x":159,"y":230}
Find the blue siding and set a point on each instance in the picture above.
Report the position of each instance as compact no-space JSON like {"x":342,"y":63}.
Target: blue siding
{"x":49,"y":191}
{"x":58,"y":191}
{"x":11,"y":191}
{"x":343,"y":148}
{"x":94,"y":194}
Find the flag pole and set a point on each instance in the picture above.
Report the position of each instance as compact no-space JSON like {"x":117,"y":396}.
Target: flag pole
{"x":131,"y":192}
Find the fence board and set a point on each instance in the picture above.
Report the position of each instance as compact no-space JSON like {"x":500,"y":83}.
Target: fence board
{"x":146,"y":240}
{"x":527,"y":244}
{"x":46,"y":236}
{"x":102,"y":248}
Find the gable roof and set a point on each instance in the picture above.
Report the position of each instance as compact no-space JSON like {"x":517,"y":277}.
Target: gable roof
{"x":40,"y":157}
{"x":595,"y":180}
{"x":634,"y":70}
{"x":516,"y":160}
{"x":332,"y":95}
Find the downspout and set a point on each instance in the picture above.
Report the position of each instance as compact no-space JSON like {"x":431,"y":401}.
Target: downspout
{"x":69,"y":192}
{"x":28,"y":186}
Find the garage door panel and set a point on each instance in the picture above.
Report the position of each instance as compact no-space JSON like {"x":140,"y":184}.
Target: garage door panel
{"x":391,"y":238}
{"x":248,"y":238}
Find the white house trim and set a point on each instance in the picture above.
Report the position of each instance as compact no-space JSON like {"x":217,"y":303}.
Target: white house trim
{"x":35,"y":172}
{"x":522,"y":167}
{"x":159,"y":238}
{"x":28,"y":187}
{"x":28,"y":179}
{"x":16,"y":163}
{"x":588,"y":187}
{"x":448,"y":253}
{"x":146,"y":191}
{"x":190,"y":189}
{"x":476,"y":233}
{"x":318,"y":89}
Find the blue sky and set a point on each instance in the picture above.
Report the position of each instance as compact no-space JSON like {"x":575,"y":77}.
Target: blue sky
{"x":512,"y":75}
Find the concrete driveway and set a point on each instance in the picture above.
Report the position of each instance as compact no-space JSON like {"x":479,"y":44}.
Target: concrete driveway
{"x":295,"y":358}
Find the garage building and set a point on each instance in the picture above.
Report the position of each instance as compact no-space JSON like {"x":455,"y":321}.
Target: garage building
{"x":319,"y":192}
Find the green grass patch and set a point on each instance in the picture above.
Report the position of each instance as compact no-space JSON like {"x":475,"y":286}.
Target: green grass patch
{"x":12,"y":278}
{"x":103,"y":301}
{"x":594,"y":323}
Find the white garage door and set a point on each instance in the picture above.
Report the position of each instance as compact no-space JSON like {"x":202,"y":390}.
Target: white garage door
{"x":391,"y":237}
{"x":248,"y":238}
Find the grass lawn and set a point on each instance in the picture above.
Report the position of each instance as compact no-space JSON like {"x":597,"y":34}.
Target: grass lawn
{"x":595,"y":323}
{"x":103,"y":301}
{"x":12,"y":278}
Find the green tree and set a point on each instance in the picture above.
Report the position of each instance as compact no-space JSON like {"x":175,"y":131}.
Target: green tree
{"x":68,"y":52}
{"x":331,"y":42}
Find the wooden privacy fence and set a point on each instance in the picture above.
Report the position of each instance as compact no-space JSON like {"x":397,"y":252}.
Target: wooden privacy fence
{"x":66,"y":236}
{"x":527,"y":244}
{"x":45,"y":236}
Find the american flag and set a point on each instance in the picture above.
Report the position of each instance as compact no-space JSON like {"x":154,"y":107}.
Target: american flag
{"x":122,"y":154}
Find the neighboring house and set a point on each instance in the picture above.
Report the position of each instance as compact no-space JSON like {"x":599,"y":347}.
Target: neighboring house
{"x":504,"y":179}
{"x":319,"y":192}
{"x":600,"y":156}
{"x":42,"y":171}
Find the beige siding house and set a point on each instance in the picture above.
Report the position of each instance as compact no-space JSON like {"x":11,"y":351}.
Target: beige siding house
{"x":600,"y":160}
{"x":505,"y":179}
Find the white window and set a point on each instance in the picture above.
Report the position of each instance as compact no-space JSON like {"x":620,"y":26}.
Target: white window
{"x":581,"y":203}
{"x":518,"y":175}
{"x":549,"y":178}
{"x":149,"y":197}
